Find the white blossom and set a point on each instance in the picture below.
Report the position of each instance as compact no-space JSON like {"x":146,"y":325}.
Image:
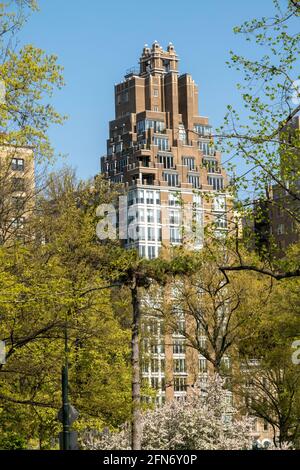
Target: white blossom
{"x":205,"y":420}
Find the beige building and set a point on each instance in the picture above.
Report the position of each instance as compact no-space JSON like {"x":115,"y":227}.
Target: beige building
{"x":17,"y":190}
{"x":162,"y":150}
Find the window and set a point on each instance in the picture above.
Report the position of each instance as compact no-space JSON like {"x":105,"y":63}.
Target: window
{"x":155,"y":382}
{"x":174,"y":217}
{"x":142,"y":251}
{"x":180,"y":327}
{"x":155,"y":92}
{"x":202,"y":364}
{"x":141,"y":127}
{"x":150,"y":216}
{"x":179,"y":384}
{"x":120,"y":165}
{"x":154,"y":365}
{"x":166,"y":64}
{"x":266,"y":426}
{"x":280,"y":229}
{"x":198,"y":218}
{"x":166,"y":160}
{"x":181,"y":133}
{"x":175,"y":236}
{"x":17,"y":164}
{"x":202,"y":130}
{"x":179,"y":365}
{"x":219,"y":203}
{"x":149,"y":197}
{"x":203,"y":383}
{"x":194,"y":180}
{"x":141,"y":215}
{"x":226,"y":362}
{"x":18,"y":184}
{"x":174,"y":199}
{"x":171,"y":178}
{"x":158,"y":216}
{"x":151,"y":234}
{"x":189,"y":162}
{"x":197,"y":201}
{"x":140,"y":197}
{"x":151,"y":252}
{"x":216,"y":183}
{"x":119,"y":147}
{"x":221,"y":221}
{"x":161,"y":142}
{"x":157,"y":348}
{"x":206,"y":147}
{"x":212,"y":166}
{"x":178,"y":346}
{"x":140,"y":232}
{"x":146,"y":124}
{"x":155,"y":109}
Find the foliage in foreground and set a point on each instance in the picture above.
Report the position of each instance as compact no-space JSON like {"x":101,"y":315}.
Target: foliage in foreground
{"x":206,"y":420}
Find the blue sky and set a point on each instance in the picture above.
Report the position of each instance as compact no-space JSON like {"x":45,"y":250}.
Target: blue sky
{"x":96,"y":41}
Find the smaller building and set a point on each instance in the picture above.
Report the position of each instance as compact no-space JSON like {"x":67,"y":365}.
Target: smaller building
{"x":276,"y":217}
{"x":17,"y":190}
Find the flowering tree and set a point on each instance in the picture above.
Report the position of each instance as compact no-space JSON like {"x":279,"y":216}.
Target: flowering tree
{"x":204,"y":420}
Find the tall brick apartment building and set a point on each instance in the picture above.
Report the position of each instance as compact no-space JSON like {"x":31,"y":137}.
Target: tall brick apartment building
{"x":161,"y":149}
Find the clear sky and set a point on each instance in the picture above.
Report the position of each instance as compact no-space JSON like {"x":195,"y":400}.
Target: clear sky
{"x":97,"y":40}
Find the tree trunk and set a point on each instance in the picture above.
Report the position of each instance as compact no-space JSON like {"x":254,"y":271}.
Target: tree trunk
{"x":136,"y":424}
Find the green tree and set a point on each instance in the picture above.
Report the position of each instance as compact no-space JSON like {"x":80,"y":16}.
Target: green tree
{"x":53,"y":283}
{"x":258,"y":136}
{"x":269,"y":380}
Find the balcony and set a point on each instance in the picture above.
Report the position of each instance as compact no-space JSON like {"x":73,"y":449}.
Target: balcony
{"x":138,"y":165}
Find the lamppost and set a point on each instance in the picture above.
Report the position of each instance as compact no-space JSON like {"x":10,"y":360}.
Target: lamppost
{"x":67,"y":414}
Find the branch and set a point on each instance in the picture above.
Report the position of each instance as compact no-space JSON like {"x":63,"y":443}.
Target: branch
{"x":277,"y":276}
{"x":27,"y":402}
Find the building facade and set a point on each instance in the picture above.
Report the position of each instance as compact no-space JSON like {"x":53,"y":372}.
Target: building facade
{"x":17,"y":190}
{"x":162,"y":150}
{"x":276,"y":217}
{"x":285,"y":209}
